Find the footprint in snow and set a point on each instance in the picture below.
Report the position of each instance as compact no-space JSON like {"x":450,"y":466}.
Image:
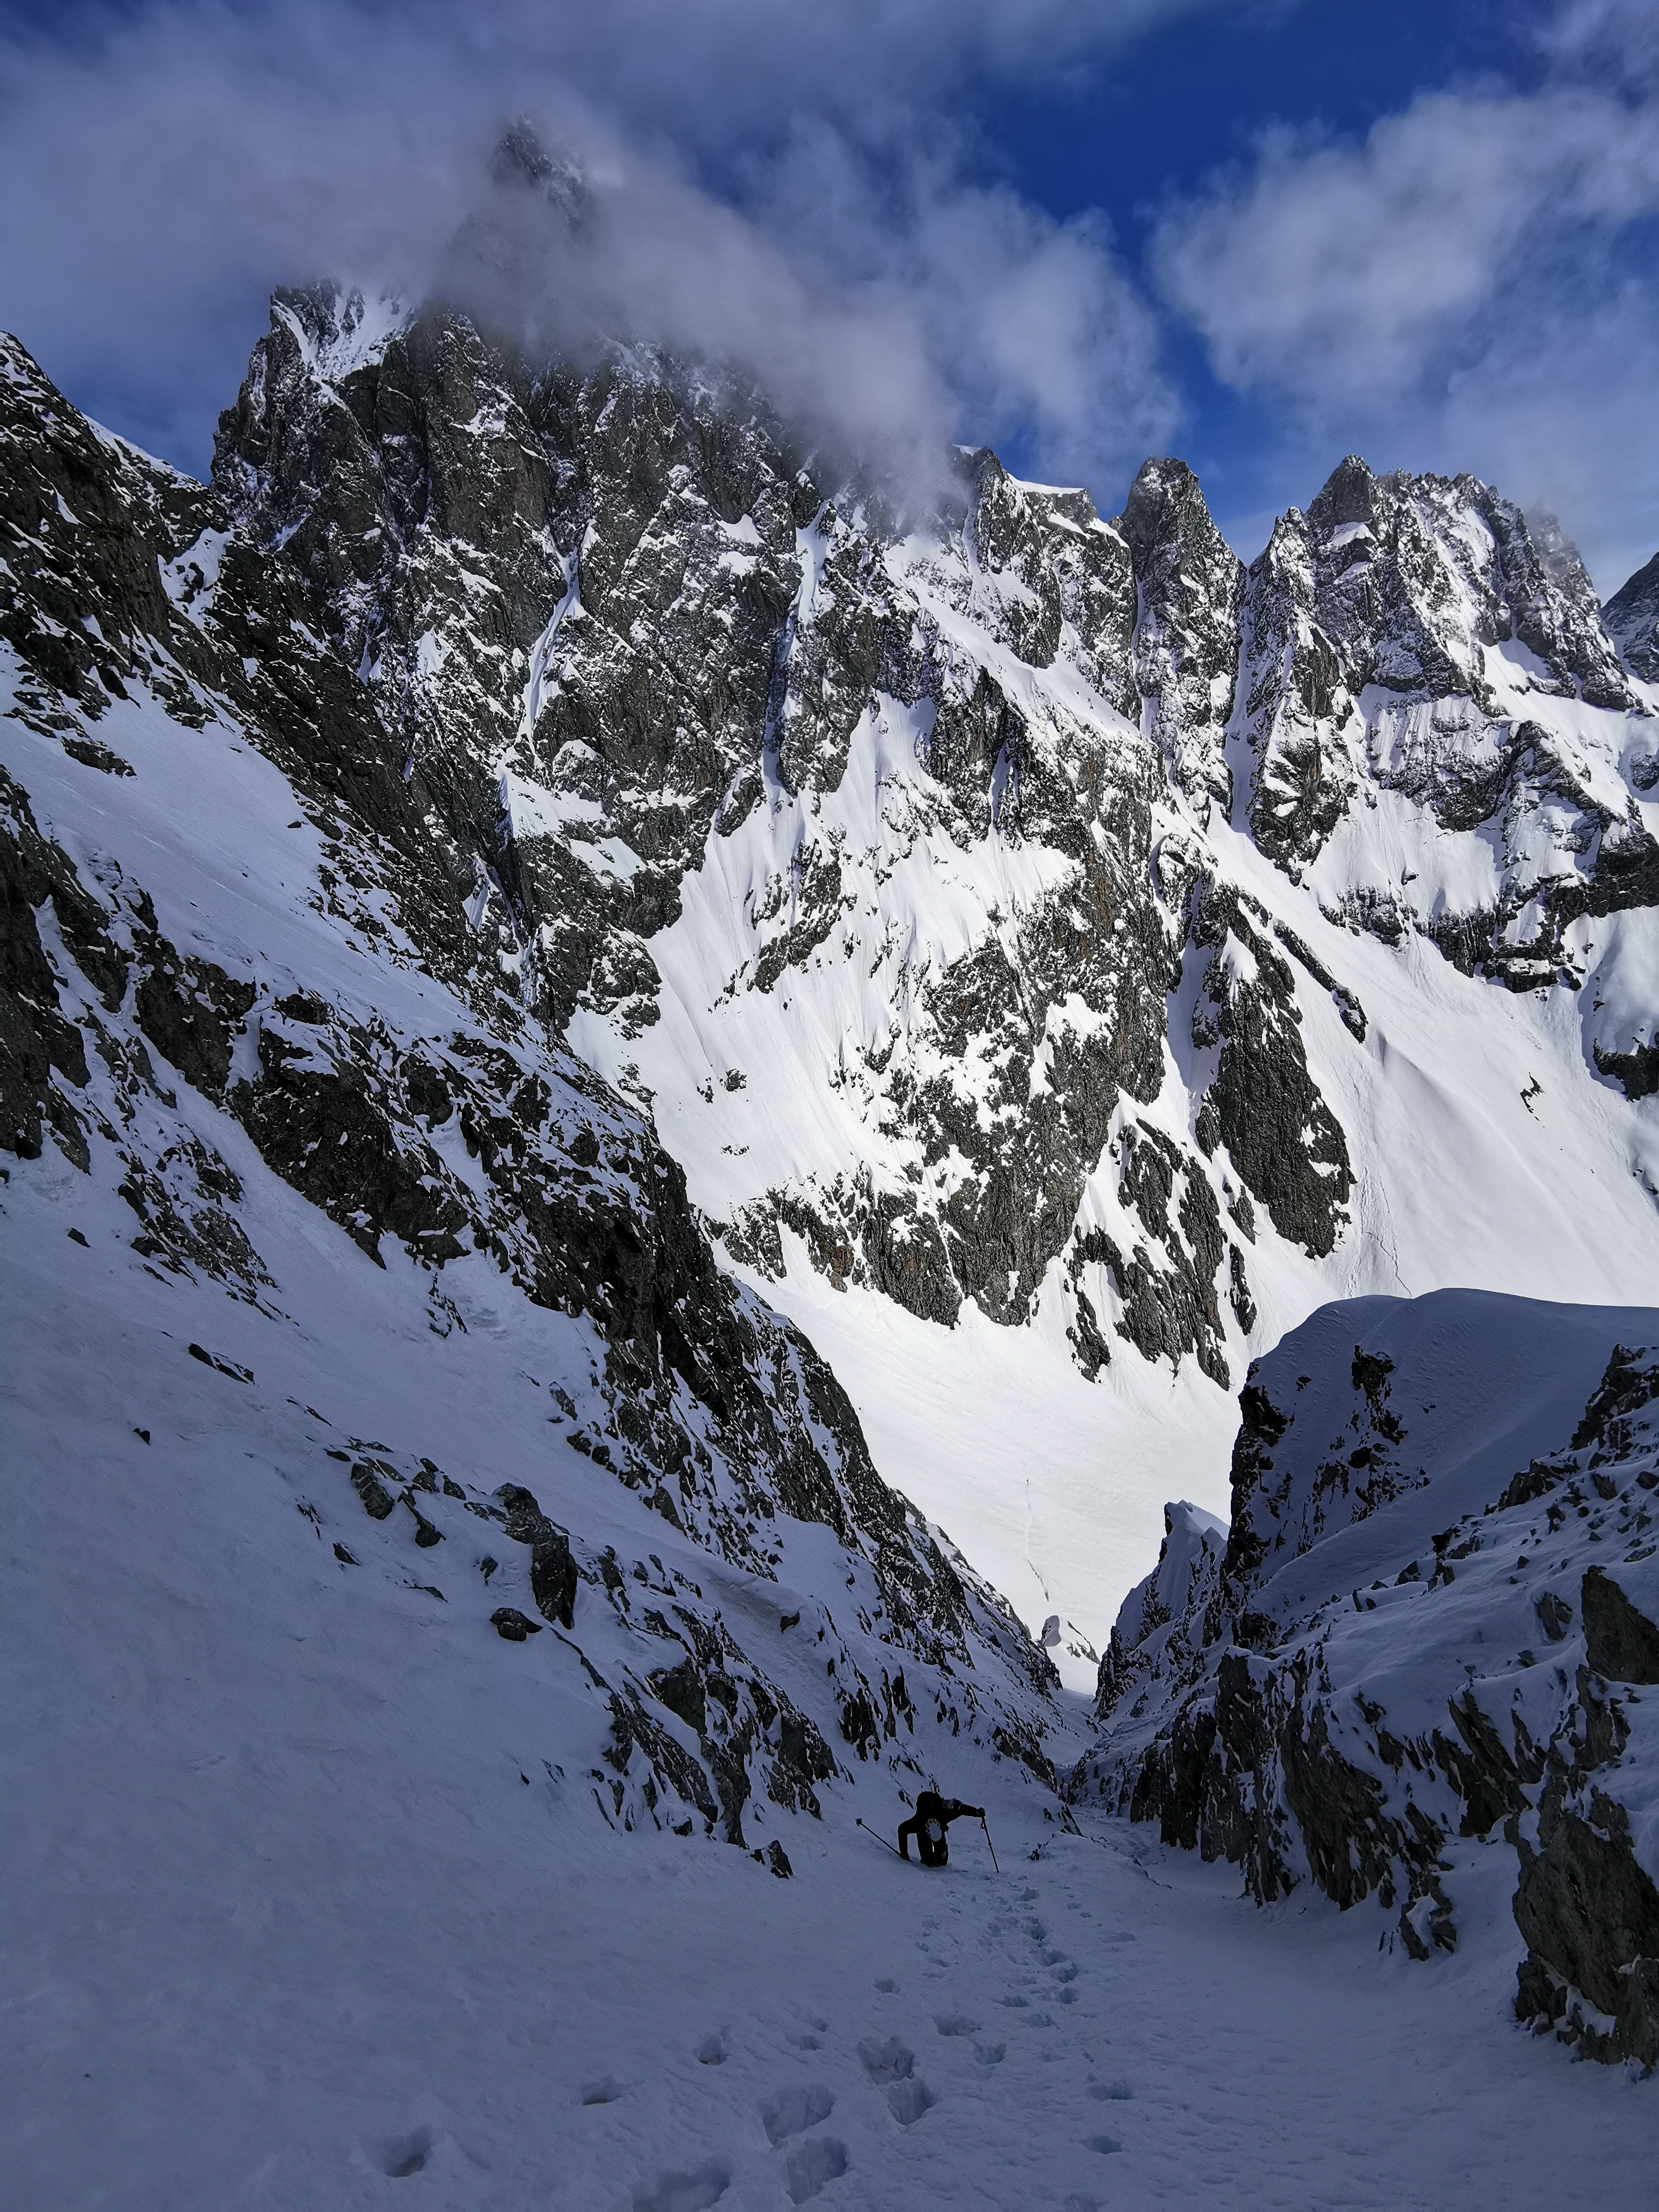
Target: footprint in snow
{"x":890,"y":2066}
{"x":908,"y":2101}
{"x":1104,"y":2144}
{"x":1111,"y":2092}
{"x":711,"y":2052}
{"x":683,"y":2192}
{"x":990,"y":2054}
{"x":407,"y":2155}
{"x":955,"y":2023}
{"x":603,"y":2089}
{"x":887,"y":1989}
{"x":791,"y":2112}
{"x":888,"y":2061}
{"x":810,"y":2165}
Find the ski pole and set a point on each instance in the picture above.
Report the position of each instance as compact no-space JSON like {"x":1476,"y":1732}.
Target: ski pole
{"x":882,"y":1841}
{"x":989,"y":1845}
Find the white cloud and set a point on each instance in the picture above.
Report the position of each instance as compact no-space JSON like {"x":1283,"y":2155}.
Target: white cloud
{"x":158,"y":177}
{"x":1337,"y":271}
{"x":1459,"y":288}
{"x":1038,"y":331}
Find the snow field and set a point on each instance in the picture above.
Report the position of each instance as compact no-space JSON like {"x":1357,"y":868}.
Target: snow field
{"x":1053,"y":1486}
{"x":312,"y":1905}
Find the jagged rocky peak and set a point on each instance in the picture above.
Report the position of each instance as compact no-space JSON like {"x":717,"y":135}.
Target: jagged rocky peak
{"x":666,"y":616}
{"x":1424,"y":588}
{"x":1632,"y":618}
{"x":409,"y":437}
{"x":1186,"y":654}
{"x":627,"y":642}
{"x":523,"y":159}
{"x":1416,"y":575}
{"x":1415,"y":1481}
{"x":1078,"y":576}
{"x":1407,"y":637}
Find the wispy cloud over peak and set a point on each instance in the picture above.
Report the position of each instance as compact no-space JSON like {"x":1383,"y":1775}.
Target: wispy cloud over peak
{"x":785,"y":196}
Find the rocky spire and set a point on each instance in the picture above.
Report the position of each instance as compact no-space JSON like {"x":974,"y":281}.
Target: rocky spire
{"x":1185,"y":651}
{"x":1631,"y":615}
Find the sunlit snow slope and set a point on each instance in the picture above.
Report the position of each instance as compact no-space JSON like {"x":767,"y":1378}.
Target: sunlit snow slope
{"x":1051,"y":951}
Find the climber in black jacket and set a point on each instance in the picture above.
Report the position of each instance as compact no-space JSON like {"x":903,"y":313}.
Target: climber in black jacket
{"x":932,"y":1816}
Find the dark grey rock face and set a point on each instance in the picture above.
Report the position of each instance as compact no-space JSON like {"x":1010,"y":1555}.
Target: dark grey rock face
{"x":1619,"y":1640}
{"x":1076,"y":577}
{"x":434,"y":491}
{"x":1186,"y":646}
{"x":1169,"y":1308}
{"x":1375,"y":628}
{"x":1636,"y":1072}
{"x":552,"y":1570}
{"x":36,"y":1042}
{"x":1283,"y":1139}
{"x":1589,"y":1913}
{"x":1632,"y":616}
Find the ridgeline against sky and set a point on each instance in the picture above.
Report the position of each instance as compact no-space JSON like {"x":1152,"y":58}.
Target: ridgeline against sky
{"x":1258,"y":237}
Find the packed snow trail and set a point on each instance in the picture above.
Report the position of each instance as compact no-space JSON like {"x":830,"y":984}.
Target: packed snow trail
{"x":305,"y":1911}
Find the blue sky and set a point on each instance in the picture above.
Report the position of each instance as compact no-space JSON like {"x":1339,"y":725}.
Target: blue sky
{"x":1193,"y":96}
{"x":1257,"y":234}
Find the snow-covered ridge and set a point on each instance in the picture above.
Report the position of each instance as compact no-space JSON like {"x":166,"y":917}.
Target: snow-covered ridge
{"x":1436,"y":1617}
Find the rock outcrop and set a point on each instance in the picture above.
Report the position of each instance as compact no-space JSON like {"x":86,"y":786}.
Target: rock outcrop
{"x":1294,"y":1694}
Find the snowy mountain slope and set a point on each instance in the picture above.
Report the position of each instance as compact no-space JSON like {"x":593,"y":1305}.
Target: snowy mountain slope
{"x":441,"y":1592}
{"x":286,"y":1927}
{"x":998,"y":903}
{"x":223,"y":1035}
{"x":1426,"y":1621}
